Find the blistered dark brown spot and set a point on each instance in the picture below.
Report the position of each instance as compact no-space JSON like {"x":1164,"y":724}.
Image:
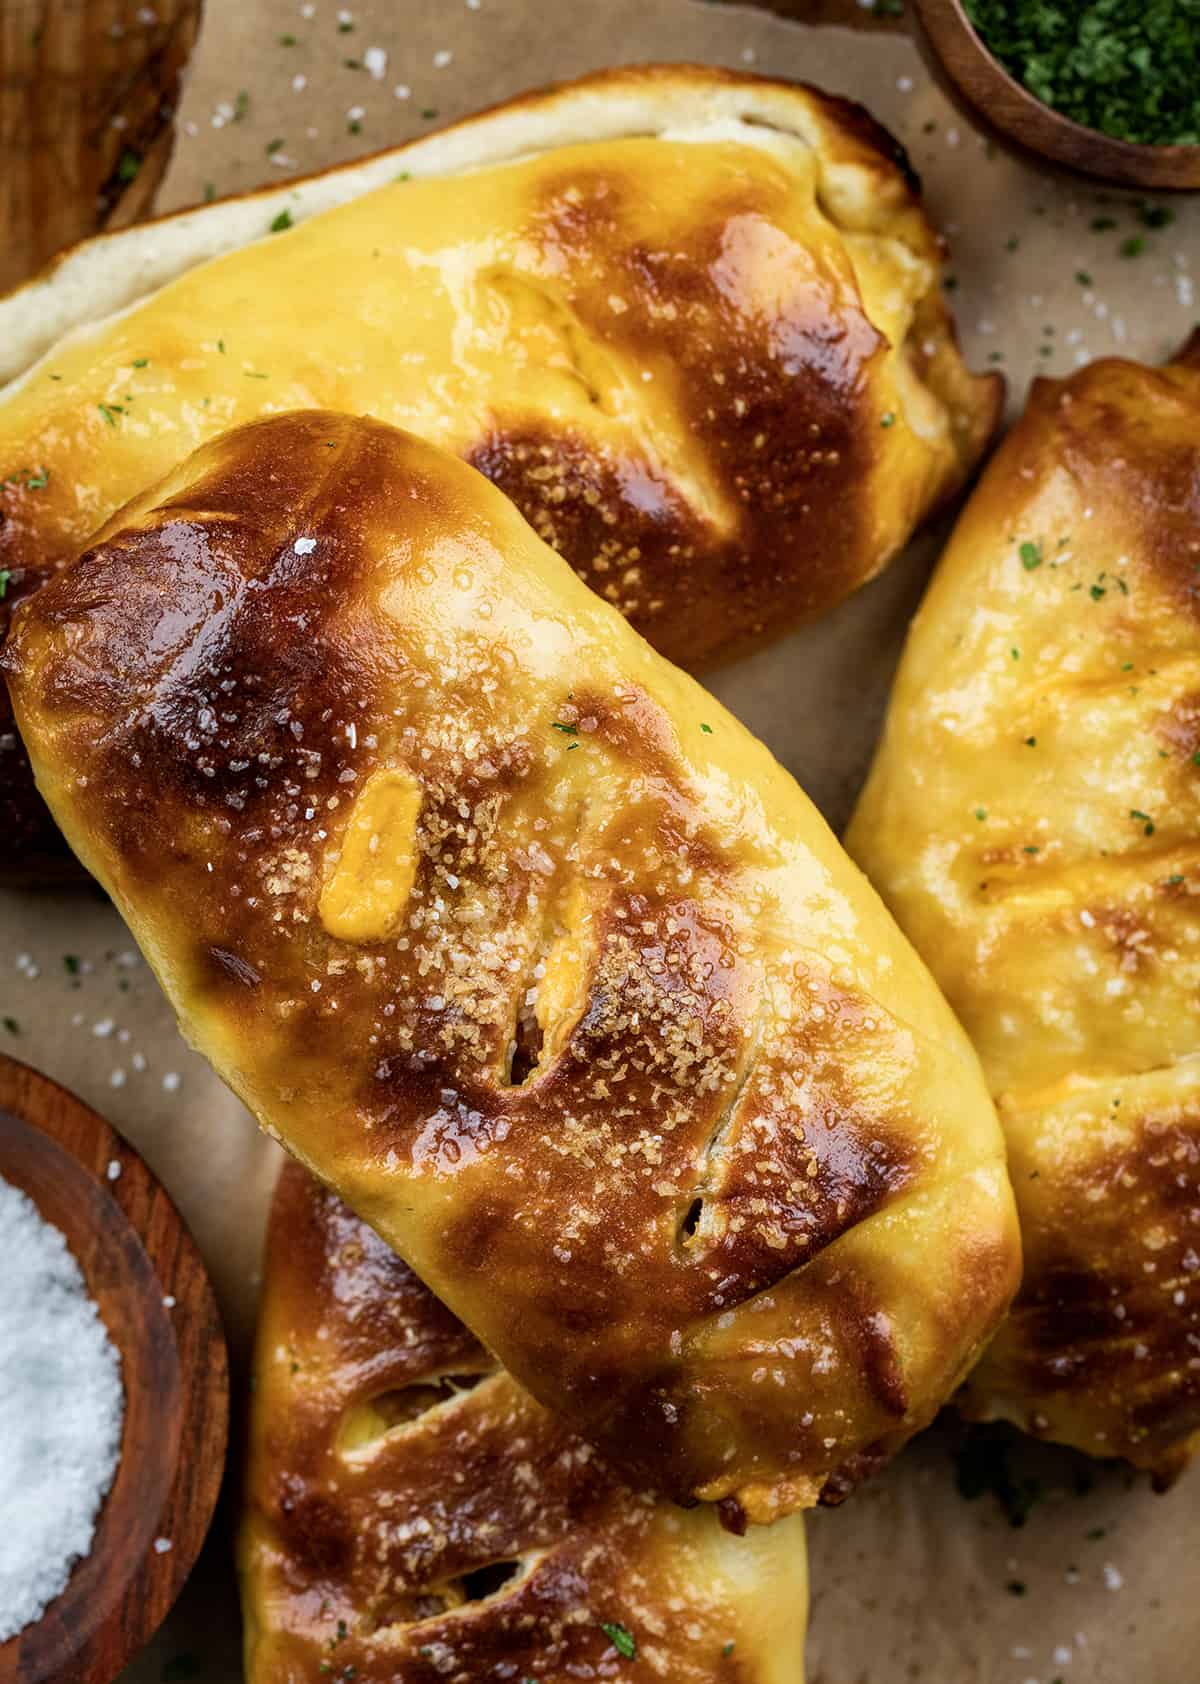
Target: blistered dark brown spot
{"x":863,"y":1465}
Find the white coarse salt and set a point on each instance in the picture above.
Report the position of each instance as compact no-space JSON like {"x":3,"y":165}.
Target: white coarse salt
{"x":61,"y":1408}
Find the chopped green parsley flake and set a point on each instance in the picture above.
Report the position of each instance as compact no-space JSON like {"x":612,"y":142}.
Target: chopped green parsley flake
{"x":621,"y":1638}
{"x":1155,"y":216}
{"x":128,"y":166}
{"x":282,"y":221}
{"x":1031,"y":556}
{"x":1143,"y":819}
{"x":567,"y":730}
{"x":1124,"y":67}
{"x":888,"y":420}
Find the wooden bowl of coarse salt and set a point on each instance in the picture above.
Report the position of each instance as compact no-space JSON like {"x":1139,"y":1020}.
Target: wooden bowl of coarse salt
{"x":114,"y":1392}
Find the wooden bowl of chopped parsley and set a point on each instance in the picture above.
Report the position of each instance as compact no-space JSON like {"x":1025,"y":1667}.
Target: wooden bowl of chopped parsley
{"x":1110,"y":88}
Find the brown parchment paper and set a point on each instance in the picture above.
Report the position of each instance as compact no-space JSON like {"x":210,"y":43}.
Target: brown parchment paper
{"x":911,"y":1581}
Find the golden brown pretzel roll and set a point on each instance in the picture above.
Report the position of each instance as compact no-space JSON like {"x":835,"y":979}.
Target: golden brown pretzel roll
{"x":691,"y":322}
{"x":507,"y":929}
{"x":1032,"y":819}
{"x":413,"y":1515}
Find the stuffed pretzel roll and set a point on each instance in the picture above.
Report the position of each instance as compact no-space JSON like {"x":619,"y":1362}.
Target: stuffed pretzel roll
{"x":1033,"y":820}
{"x":690,"y":321}
{"x":515,"y":936}
{"x":411,"y":1512}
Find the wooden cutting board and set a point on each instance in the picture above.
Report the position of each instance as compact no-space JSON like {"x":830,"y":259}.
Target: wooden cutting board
{"x":87,"y":94}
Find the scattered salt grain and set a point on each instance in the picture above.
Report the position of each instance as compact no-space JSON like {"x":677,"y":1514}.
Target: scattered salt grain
{"x":113,"y":1172}
{"x":304,"y":546}
{"x":61,"y":1406}
{"x":161,"y":1546}
{"x":171,"y":1081}
{"x":375,"y":61}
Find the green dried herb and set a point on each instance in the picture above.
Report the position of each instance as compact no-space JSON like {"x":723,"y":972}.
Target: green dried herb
{"x":1125,"y":67}
{"x":621,"y":1638}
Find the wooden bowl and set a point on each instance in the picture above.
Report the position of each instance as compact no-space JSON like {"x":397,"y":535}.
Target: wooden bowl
{"x":987,"y":86}
{"x":136,"y":1257}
